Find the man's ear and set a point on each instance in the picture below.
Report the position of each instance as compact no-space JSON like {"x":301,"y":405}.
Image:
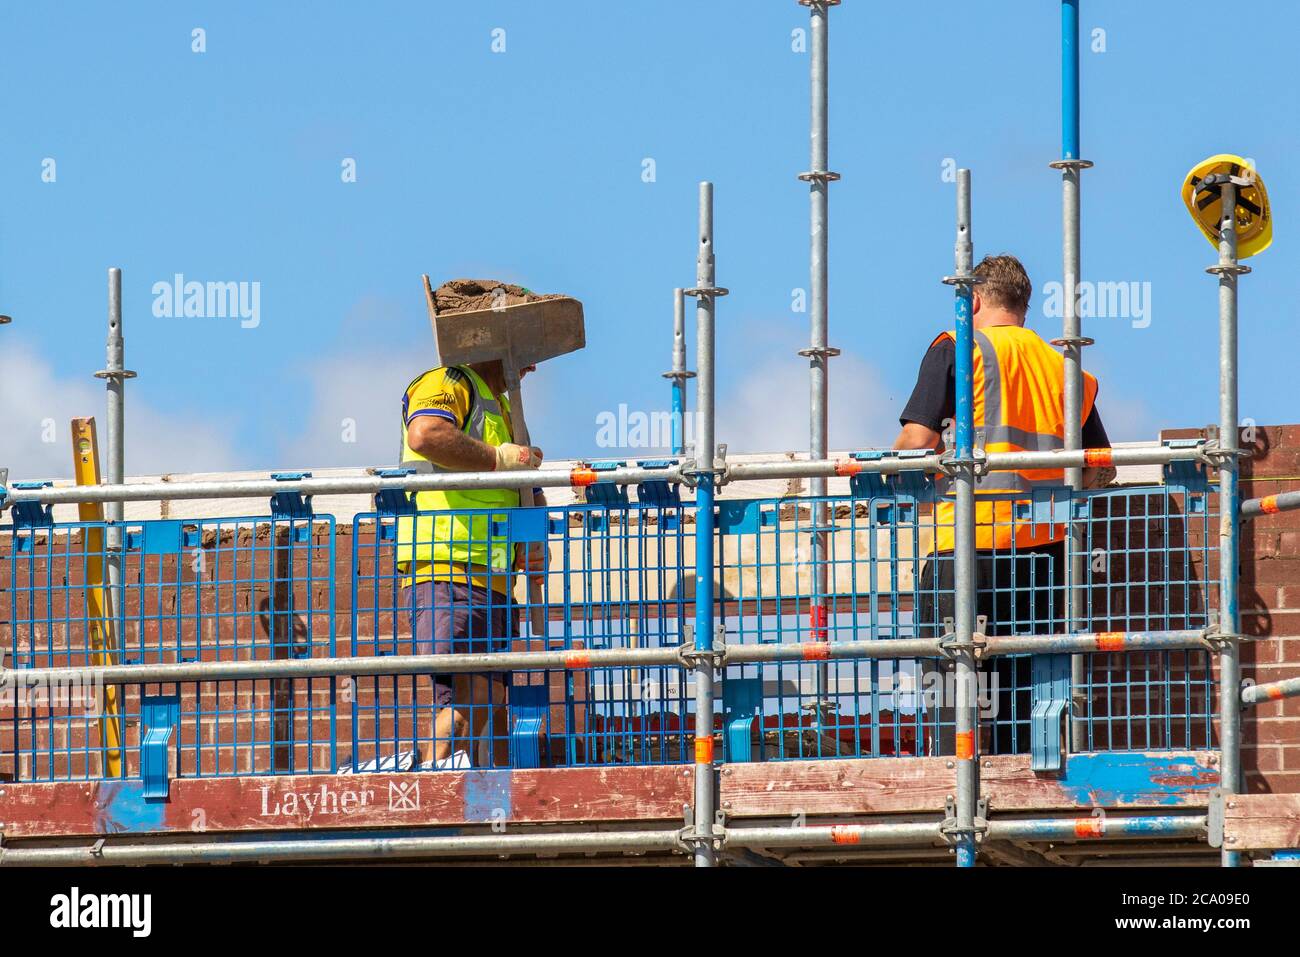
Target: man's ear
{"x":975,"y":302}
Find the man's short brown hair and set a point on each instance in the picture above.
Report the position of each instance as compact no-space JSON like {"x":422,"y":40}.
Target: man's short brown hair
{"x":1006,"y":284}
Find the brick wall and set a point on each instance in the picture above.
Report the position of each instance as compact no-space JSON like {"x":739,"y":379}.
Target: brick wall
{"x":1270,"y":606}
{"x":1270,"y":610}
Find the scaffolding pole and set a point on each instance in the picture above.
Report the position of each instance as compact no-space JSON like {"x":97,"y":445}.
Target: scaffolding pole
{"x":1273,"y":691}
{"x":1072,"y":340}
{"x":962,"y":465}
{"x":1228,"y":270}
{"x":818,"y":352}
{"x":705,"y":293}
{"x":678,"y":374}
{"x":1270,"y":504}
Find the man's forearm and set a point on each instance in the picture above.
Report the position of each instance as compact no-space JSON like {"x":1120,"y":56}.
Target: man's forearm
{"x":917,"y":436}
{"x":453,"y":449}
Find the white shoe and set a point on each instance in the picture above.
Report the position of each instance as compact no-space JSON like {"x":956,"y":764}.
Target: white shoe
{"x":458,"y":760}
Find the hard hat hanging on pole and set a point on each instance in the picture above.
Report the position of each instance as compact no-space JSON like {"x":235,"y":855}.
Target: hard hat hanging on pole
{"x":1202,"y":191}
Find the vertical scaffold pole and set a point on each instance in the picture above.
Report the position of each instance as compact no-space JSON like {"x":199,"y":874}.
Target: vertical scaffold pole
{"x":705,"y":293}
{"x":1072,"y":340}
{"x":678,"y":374}
{"x":115,"y":375}
{"x":963,"y":471}
{"x":1228,"y":269}
{"x":818,"y":352}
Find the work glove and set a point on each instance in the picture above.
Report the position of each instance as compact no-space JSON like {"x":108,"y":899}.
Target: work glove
{"x":515,"y":458}
{"x":531,"y":559}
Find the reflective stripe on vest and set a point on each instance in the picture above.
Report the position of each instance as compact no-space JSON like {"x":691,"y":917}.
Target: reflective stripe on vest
{"x":1018,"y":408}
{"x":454,"y":537}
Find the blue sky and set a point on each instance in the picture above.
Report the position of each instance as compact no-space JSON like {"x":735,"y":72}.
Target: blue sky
{"x":527,"y":165}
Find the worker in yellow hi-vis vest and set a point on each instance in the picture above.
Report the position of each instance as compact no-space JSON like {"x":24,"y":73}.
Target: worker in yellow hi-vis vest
{"x":457,"y":570}
{"x":1019,"y":387}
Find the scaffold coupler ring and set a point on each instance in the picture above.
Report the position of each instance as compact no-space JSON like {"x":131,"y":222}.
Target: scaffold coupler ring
{"x":819,"y":176}
{"x":1071,"y":164}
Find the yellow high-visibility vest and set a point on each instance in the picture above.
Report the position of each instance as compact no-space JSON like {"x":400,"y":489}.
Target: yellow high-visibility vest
{"x":451,"y":538}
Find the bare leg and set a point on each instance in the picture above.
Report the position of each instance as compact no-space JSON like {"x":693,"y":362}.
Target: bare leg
{"x":450,"y":725}
{"x":478,"y":710}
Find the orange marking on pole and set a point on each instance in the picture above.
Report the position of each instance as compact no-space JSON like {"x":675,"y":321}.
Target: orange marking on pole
{"x":1268,"y":505}
{"x":1110,"y":641}
{"x":848,"y":467}
{"x":845,"y":835}
{"x":817,"y":618}
{"x":580,"y":478}
{"x":577,"y":659}
{"x":1274,"y":693}
{"x":1090,"y":827}
{"x":704,"y":751}
{"x":1098,"y":458}
{"x":816,"y":650}
{"x":965,"y":745}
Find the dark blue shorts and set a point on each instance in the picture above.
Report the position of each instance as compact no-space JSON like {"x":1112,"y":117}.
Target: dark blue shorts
{"x":450,"y":618}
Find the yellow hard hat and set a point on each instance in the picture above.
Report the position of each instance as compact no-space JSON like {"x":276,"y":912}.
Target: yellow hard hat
{"x":1202,"y":194}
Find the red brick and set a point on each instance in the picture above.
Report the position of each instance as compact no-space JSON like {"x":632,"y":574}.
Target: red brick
{"x":1265,"y":758}
{"x":1278,"y":731}
{"x":1276,"y":783}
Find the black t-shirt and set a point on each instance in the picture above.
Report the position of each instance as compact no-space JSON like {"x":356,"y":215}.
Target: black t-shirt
{"x":934,"y":398}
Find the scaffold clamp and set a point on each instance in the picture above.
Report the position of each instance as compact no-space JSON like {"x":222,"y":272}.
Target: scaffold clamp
{"x":290,"y":505}
{"x":950,"y":465}
{"x":952,"y":832}
{"x":394,"y":501}
{"x":30,"y":514}
{"x":951,"y":648}
{"x":690,"y":656}
{"x":720,"y":471}
{"x":688,"y":839}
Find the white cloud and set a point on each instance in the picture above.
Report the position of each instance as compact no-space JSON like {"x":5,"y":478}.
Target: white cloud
{"x":37,"y":405}
{"x":767,"y":411}
{"x":1127,"y":418}
{"x":355,"y":413}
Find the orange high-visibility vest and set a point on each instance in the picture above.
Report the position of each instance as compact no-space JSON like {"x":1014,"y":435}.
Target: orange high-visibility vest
{"x":1019,"y":389}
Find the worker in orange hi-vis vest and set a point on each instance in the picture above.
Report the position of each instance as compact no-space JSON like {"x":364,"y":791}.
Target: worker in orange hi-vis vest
{"x":1019,"y":387}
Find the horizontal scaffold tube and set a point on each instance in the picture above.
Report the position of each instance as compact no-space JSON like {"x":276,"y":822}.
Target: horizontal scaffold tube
{"x":343,"y":848}
{"x":345,"y":485}
{"x":576,"y":477}
{"x":1103,"y":641}
{"x":346,"y":667}
{"x":1273,"y":691}
{"x":211,"y":852}
{"x":580,"y":659}
{"x":1099,"y":827}
{"x":994,"y":462}
{"x":1270,"y":504}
